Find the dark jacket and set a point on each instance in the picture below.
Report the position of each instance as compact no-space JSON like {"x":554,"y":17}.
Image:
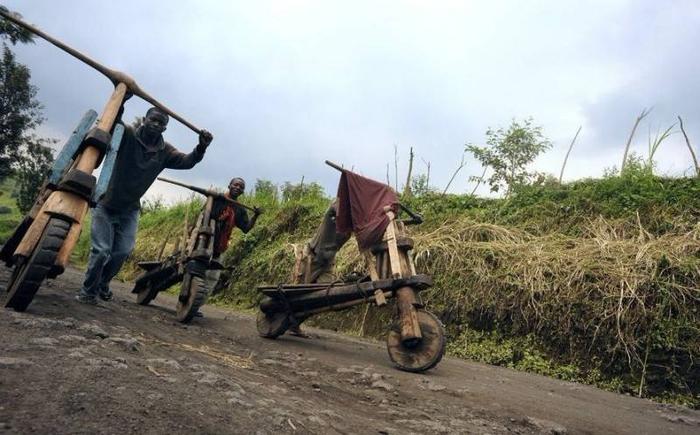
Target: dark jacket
{"x":137,"y":167}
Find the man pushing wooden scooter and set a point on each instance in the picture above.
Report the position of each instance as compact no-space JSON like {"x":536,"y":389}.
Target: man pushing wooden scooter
{"x":195,"y":260}
{"x":369,"y":209}
{"x":41,"y":245}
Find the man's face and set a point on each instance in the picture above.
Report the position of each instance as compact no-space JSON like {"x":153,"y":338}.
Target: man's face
{"x":155,"y":122}
{"x":236,"y":187}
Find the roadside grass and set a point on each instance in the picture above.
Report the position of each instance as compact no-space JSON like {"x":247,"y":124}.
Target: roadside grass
{"x":10,"y":216}
{"x":593,"y":281}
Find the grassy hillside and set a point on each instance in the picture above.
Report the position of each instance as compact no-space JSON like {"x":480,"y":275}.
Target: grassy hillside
{"x":594,"y":281}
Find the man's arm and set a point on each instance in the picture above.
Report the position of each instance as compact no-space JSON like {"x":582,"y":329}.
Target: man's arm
{"x":242,"y":221}
{"x":177,"y":160}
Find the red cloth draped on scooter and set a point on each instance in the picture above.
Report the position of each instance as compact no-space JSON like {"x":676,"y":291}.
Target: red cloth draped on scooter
{"x":361,"y":203}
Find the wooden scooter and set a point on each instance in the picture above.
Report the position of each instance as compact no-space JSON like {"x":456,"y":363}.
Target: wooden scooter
{"x":416,"y":340}
{"x":188,"y":263}
{"x":41,"y":245}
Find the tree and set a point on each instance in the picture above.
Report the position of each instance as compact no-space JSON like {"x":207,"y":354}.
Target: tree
{"x":265,"y":189}
{"x":31,"y":168}
{"x":292,"y":191}
{"x":420,"y":186}
{"x":509,"y":152}
{"x":21,"y":152}
{"x":13,"y":32}
{"x":20,"y":112}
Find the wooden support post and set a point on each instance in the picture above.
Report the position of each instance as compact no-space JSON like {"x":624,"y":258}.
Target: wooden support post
{"x":408,"y":319}
{"x":383,"y":265}
{"x":374,"y":274}
{"x":194,"y":233}
{"x":66,"y":204}
{"x":371,"y":265}
{"x":405,"y":296}
{"x":109,"y":162}
{"x":411,"y":263}
{"x":63,"y":256}
{"x":65,"y":156}
{"x":298,"y":258}
{"x":408,"y":268}
{"x":87,"y":162}
{"x":393,"y":250}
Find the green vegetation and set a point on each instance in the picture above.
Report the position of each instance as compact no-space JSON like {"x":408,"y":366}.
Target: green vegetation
{"x":508,"y":154}
{"x":23,"y":154}
{"x":10,"y":216}
{"x":593,"y":281}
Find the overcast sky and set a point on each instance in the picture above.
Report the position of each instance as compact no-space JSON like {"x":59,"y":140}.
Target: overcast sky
{"x":284,"y":85}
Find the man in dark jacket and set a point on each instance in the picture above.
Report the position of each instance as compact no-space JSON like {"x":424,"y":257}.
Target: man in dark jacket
{"x":143,"y":154}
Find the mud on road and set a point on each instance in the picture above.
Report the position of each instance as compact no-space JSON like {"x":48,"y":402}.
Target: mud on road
{"x":68,"y":368}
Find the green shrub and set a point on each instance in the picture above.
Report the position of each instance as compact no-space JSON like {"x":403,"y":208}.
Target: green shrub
{"x":593,"y":281}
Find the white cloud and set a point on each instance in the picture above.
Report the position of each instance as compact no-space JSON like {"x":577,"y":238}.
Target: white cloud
{"x":284,"y":85}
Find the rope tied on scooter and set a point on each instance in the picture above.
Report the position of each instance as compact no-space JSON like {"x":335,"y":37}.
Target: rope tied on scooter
{"x":283,"y":298}
{"x":288,"y":308}
{"x":328,"y":289}
{"x":360,"y":290}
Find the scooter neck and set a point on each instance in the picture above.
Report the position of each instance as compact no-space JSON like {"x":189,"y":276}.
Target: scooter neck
{"x":89,"y":158}
{"x":206,"y":192}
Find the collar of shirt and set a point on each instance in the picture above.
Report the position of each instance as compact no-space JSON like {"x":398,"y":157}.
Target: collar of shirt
{"x":159,"y":145}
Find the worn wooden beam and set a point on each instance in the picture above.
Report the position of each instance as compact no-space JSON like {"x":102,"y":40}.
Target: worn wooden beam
{"x":374,"y":275}
{"x":109,"y":162}
{"x":88,"y":160}
{"x":393,"y":250}
{"x":65,"y":156}
{"x":66,"y":204}
{"x":408,"y":318}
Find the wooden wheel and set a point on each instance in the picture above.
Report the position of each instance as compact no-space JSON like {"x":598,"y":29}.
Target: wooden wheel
{"x":147,"y":294}
{"x":196,"y":289}
{"x":272,"y":325}
{"x":422,"y":354}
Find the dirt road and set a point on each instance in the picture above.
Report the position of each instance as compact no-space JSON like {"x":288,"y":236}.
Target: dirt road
{"x":121,"y":368}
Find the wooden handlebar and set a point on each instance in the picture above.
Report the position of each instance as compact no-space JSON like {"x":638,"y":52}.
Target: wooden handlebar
{"x":334,"y":166}
{"x":114,"y":76}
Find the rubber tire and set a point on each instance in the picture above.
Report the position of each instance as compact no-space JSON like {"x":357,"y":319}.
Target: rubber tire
{"x":146,"y":295}
{"x":198,"y":296}
{"x":28,"y":276}
{"x":428,"y":352}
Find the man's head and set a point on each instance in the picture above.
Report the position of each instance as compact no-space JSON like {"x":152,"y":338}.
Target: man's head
{"x":155,"y":122}
{"x":236,"y":187}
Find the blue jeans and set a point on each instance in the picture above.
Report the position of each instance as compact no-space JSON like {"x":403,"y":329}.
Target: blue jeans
{"x":111,"y":241}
